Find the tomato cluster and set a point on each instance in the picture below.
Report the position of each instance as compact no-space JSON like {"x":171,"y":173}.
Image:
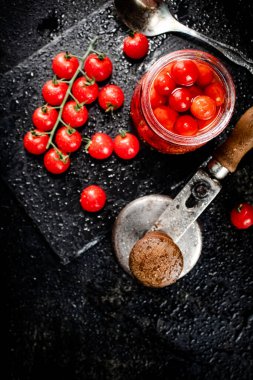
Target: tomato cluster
{"x":75,"y":85}
{"x":66,"y":97}
{"x":186,"y":96}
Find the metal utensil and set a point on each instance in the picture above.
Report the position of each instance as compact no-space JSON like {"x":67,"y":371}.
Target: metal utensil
{"x":177,"y":217}
{"x":153,"y":17}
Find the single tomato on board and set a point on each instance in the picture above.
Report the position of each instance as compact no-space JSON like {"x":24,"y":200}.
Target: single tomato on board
{"x":111,"y":97}
{"x":100,"y":146}
{"x":93,"y":198}
{"x":126,"y":145}
{"x":242,"y":216}
{"x":136,"y":45}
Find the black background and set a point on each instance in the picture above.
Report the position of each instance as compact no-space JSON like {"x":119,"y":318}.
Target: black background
{"x":76,"y":323}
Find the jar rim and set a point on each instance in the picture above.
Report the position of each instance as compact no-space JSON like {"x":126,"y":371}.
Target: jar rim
{"x":215,"y":127}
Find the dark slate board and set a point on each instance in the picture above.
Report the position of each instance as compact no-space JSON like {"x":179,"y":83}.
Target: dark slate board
{"x":53,"y":202}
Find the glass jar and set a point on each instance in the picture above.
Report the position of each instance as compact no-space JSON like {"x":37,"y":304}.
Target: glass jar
{"x":154,"y":133}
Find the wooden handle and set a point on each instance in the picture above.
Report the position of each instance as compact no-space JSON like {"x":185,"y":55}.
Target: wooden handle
{"x":238,"y":143}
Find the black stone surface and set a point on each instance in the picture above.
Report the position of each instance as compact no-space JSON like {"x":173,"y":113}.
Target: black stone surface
{"x":89,"y":320}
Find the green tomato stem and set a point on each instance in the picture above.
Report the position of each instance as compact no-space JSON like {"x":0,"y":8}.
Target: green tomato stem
{"x":75,"y":99}
{"x":76,"y":56}
{"x":90,"y":81}
{"x":122,"y":132}
{"x":87,"y":144}
{"x":100,"y":55}
{"x":59,"y":118}
{"x":61,"y":121}
{"x":62,"y":156}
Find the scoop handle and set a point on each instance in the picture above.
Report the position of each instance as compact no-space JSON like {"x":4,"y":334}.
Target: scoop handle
{"x":230,"y":153}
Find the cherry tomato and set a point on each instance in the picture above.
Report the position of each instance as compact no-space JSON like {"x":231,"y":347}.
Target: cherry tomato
{"x":35,"y":142}
{"x":74,"y":114}
{"x":185,"y":72}
{"x":195,"y":91}
{"x":64,"y":65}
{"x":111,"y":97}
{"x":93,"y":198}
{"x":54,"y":92}
{"x":180,"y":99}
{"x":205,"y":74}
{"x":126,"y":145}
{"x":242,"y":216}
{"x":68,"y":139}
{"x":136,"y":45}
{"x":166,"y":116}
{"x":216,"y":92}
{"x":100,"y":146}
{"x":204,"y":123}
{"x":44,"y":118}
{"x":186,"y":125}
{"x":98,"y":66}
{"x":168,"y":68}
{"x":203,"y":107}
{"x":156,"y":100}
{"x":164,"y":84}
{"x":85,"y":90}
{"x":56,"y":162}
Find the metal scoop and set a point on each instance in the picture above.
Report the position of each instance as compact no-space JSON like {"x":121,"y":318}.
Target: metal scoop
{"x":177,"y":218}
{"x":153,"y":17}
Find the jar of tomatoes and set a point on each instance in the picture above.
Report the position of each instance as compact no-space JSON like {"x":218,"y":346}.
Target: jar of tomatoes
{"x":184,"y":100}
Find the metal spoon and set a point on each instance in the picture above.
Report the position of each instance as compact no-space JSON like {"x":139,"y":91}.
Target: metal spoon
{"x":177,"y":217}
{"x":153,"y":17}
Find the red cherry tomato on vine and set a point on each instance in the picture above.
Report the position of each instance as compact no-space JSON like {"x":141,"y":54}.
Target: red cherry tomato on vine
{"x":242,"y":216}
{"x":205,"y":74}
{"x":54,"y":92}
{"x":64,"y":65}
{"x":180,"y":99}
{"x":74,"y":114}
{"x":166,"y":116}
{"x":68,"y":139}
{"x":100,"y":146}
{"x":164,"y":84}
{"x":216,"y":92}
{"x":185,"y":72}
{"x":93,"y":198}
{"x":186,"y":125}
{"x":56,"y":161}
{"x":136,"y":45}
{"x":203,"y":107}
{"x":35,"y":142}
{"x":98,"y":66}
{"x":126,"y":145}
{"x":111,"y":97}
{"x":44,"y":118}
{"x":85,"y":90}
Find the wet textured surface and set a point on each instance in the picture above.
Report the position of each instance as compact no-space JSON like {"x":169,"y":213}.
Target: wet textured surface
{"x":90,"y":320}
